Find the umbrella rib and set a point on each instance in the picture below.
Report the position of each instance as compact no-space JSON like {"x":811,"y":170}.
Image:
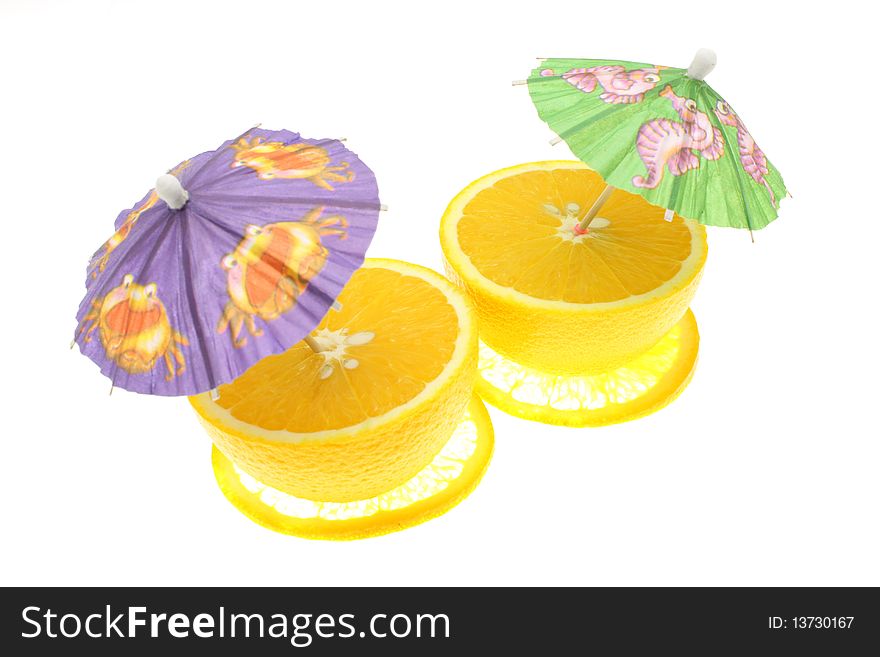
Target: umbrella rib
{"x":729,"y":159}
{"x":187,"y":281}
{"x":305,"y":200}
{"x":205,"y":205}
{"x":734,"y":163}
{"x":199,"y":211}
{"x":203,"y":212}
{"x":124,"y":248}
{"x":584,"y":123}
{"x":160,"y":239}
{"x":742,"y":190}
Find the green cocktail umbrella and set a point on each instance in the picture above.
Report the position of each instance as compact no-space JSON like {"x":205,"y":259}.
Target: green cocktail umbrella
{"x":660,"y":132}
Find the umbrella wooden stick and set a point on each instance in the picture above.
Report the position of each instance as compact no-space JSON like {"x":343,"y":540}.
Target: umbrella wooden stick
{"x":309,"y":340}
{"x":594,"y":209}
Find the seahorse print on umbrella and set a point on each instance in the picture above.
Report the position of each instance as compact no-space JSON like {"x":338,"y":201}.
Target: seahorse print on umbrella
{"x":666,"y":144}
{"x":619,"y":85}
{"x":752,"y":157}
{"x":275,"y":159}
{"x":99,"y":261}
{"x":271,"y":267}
{"x":134,"y":329}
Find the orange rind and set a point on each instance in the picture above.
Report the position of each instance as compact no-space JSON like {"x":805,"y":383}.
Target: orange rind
{"x":644,"y":385}
{"x":450,"y":477}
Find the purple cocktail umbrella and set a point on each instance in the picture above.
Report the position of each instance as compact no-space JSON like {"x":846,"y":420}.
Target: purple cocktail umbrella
{"x":237,"y":254}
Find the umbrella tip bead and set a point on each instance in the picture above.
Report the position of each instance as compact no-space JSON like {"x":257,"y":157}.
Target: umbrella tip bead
{"x":704,"y":62}
{"x":169,"y":189}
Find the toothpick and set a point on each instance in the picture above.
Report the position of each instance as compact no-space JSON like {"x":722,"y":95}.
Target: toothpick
{"x":313,"y":344}
{"x":594,"y":209}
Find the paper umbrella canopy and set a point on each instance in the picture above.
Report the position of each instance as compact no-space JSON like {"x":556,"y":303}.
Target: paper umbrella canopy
{"x":663,"y":133}
{"x":237,"y":254}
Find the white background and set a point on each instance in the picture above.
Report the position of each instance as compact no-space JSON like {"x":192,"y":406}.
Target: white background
{"x":765,"y":471}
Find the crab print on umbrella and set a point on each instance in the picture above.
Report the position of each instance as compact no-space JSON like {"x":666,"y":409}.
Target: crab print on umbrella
{"x":271,"y":267}
{"x":246,"y":265}
{"x":276,"y":159}
{"x":134,"y":329}
{"x":664,"y":144}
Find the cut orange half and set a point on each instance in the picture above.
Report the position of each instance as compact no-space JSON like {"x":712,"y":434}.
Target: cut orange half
{"x":563,"y":303}
{"x":369,"y":411}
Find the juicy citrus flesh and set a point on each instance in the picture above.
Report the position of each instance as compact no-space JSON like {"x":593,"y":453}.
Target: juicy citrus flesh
{"x":559,"y":301}
{"x":518,"y":234}
{"x":403,"y":331}
{"x":450,"y":477}
{"x":372,"y":408}
{"x":644,"y":385}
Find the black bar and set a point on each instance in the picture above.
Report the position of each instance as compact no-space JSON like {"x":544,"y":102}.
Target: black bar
{"x":704,"y":621}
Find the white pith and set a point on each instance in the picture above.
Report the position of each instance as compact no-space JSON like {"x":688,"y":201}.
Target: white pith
{"x":336,"y":349}
{"x":570,"y":216}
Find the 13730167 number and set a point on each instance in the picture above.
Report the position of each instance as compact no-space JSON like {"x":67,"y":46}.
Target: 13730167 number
{"x":820,"y":622}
